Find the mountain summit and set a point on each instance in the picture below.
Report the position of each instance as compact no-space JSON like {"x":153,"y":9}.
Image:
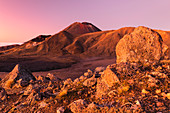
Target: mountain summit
{"x":78,"y":28}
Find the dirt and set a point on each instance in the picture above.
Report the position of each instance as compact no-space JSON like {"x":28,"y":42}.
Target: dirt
{"x":77,"y":69}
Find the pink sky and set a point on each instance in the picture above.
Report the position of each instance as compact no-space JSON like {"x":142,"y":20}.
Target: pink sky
{"x":22,"y":20}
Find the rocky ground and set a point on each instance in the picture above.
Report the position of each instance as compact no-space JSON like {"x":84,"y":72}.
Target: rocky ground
{"x":138,"y":83}
{"x":134,"y":87}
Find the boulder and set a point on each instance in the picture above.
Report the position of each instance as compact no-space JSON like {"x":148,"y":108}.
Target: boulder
{"x":109,"y":77}
{"x":105,"y":82}
{"x":142,"y":45}
{"x":18,"y":75}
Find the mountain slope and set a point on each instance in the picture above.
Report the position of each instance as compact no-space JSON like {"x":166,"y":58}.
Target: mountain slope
{"x":78,"y":28}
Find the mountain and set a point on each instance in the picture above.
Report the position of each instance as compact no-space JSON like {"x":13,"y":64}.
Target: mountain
{"x":75,"y":42}
{"x":3,"y":48}
{"x":78,"y":28}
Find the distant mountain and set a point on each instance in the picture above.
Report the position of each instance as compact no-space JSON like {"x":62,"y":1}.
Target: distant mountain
{"x":79,"y":40}
{"x":3,"y":48}
{"x":78,"y":28}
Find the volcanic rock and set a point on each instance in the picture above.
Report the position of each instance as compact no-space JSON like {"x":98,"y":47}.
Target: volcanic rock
{"x":77,"y":106}
{"x":109,"y":77}
{"x":3,"y":93}
{"x":18,"y":74}
{"x":90,"y":82}
{"x":60,"y":109}
{"x":142,"y":45}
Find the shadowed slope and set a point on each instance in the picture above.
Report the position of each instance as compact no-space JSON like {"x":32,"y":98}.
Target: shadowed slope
{"x":99,"y":43}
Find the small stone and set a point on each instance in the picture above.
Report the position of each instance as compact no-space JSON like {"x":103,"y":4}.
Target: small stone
{"x":144,"y":91}
{"x":78,"y":106}
{"x":43,"y":104}
{"x":168,"y":95}
{"x":159,"y":104}
{"x":82,"y":77}
{"x":79,"y":92}
{"x":68,"y":81}
{"x":52,"y":77}
{"x":112,"y":93}
{"x":99,"y":69}
{"x":90,"y":82}
{"x":76,"y":81}
{"x":3,"y":94}
{"x":158,"y":91}
{"x":60,"y":109}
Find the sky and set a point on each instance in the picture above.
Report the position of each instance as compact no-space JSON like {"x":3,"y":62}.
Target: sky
{"x":22,"y":20}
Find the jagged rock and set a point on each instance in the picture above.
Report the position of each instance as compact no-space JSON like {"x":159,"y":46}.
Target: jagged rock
{"x":142,"y":45}
{"x":28,"y":90}
{"x":78,"y":106}
{"x":99,"y":69}
{"x":3,"y":93}
{"x":89,"y":73}
{"x":82,"y":78}
{"x":43,"y":104}
{"x":77,"y":80}
{"x":94,"y":108}
{"x":18,"y":74}
{"x":68,"y":81}
{"x":90,"y":82}
{"x":106,"y":81}
{"x":109,"y":77}
{"x":52,"y":77}
{"x":60,"y":109}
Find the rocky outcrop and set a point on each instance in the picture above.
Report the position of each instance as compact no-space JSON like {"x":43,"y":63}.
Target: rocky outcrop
{"x":142,"y":45}
{"x":18,"y":77}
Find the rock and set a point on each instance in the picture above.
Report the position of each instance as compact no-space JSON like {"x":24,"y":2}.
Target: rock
{"x":88,"y":74}
{"x":77,"y":80}
{"x":90,"y":82}
{"x":60,"y":109}
{"x":99,"y":69}
{"x":142,"y":45}
{"x":3,"y":94}
{"x":93,"y":105}
{"x":101,"y":88}
{"x":52,"y":77}
{"x":159,"y":104}
{"x":106,"y":81}
{"x":168,"y":95}
{"x":109,"y":77}
{"x":68,"y":81}
{"x":82,"y":78}
{"x":28,"y":90}
{"x":19,"y":73}
{"x":42,"y":104}
{"x":78,"y":106}
{"x":63,"y":92}
{"x":112,"y":93}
